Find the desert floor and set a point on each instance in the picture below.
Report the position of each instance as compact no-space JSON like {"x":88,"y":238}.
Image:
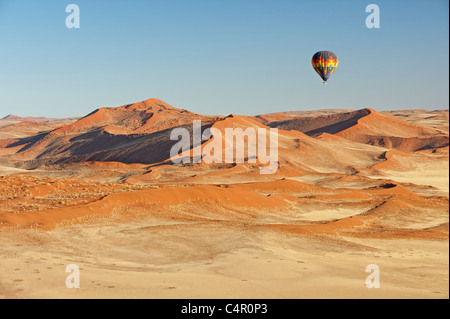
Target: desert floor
{"x":147,"y":259}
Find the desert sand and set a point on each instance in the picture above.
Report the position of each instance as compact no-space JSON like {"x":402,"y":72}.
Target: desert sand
{"x":352,"y":188}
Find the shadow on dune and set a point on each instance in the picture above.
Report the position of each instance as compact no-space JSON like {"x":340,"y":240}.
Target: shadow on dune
{"x":102,"y":146}
{"x":330,"y":124}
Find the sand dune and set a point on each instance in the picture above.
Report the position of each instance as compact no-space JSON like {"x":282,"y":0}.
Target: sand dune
{"x":351,"y":188}
{"x":369,"y":127}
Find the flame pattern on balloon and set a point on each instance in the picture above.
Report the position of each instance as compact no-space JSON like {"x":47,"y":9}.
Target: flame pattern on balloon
{"x":325,"y":62}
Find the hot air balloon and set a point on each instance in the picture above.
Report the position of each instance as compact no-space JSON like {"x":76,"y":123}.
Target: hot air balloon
{"x":325,"y":62}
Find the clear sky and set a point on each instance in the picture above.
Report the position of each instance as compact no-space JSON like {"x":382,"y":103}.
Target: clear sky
{"x":221,"y":56}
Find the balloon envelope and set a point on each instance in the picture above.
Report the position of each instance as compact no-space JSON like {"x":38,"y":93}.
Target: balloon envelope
{"x":325,"y":62}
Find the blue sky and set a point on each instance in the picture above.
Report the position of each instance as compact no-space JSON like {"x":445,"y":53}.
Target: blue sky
{"x":221,"y":56}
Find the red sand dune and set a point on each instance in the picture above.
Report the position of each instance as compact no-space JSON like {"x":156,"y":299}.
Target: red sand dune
{"x":342,"y":176}
{"x":143,"y":117}
{"x":123,"y":134}
{"x":369,"y":127}
{"x":139,"y":133}
{"x":154,"y":201}
{"x":131,"y":144}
